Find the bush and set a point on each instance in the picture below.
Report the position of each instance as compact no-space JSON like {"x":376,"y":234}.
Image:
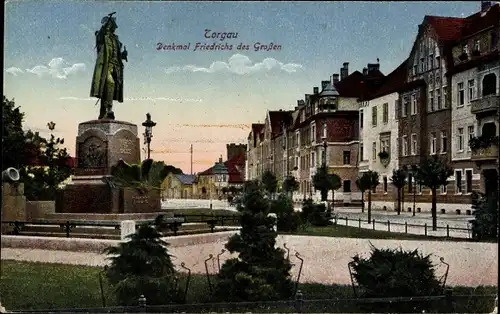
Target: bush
{"x":142,"y":266}
{"x":485,"y":223}
{"x":288,"y":219}
{"x":396,"y":273}
{"x":261,"y":272}
{"x":315,"y":214}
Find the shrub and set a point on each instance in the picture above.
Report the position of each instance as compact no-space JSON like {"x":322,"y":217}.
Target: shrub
{"x":143,"y":266}
{"x":315,"y":214}
{"x":485,"y":223}
{"x":396,"y":273}
{"x":261,"y":272}
{"x":288,"y":219}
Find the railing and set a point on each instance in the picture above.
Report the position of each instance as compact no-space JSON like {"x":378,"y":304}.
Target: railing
{"x":485,"y":153}
{"x":485,"y":104}
{"x":447,"y":303}
{"x":388,"y":223}
{"x":211,"y":220}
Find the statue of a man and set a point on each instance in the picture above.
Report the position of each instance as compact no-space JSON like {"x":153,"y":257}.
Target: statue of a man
{"x":107,"y":82}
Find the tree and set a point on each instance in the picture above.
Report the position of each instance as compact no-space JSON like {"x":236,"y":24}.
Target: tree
{"x":288,"y":219}
{"x":370,"y":180}
{"x":363,"y":185}
{"x":173,"y":170}
{"x":433,"y":173}
{"x":269,"y":182}
{"x":290,"y":185}
{"x":398,"y":179}
{"x":404,"y":273}
{"x":13,"y":148}
{"x":260,"y":272}
{"x":43,"y":179}
{"x":142,"y":266}
{"x":324,"y":182}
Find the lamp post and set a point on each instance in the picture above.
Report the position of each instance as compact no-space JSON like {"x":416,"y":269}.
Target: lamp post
{"x":148,"y":133}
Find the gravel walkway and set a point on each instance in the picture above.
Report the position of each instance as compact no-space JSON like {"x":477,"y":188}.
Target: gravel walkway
{"x":471,"y":264}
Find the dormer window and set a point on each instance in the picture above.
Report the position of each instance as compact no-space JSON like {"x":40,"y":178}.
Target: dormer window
{"x":465,"y":53}
{"x":465,"y":49}
{"x":477,"y":48}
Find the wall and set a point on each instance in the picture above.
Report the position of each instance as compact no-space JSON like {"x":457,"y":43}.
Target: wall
{"x":39,"y":209}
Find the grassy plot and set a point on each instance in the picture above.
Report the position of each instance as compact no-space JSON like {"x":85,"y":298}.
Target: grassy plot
{"x":339,"y":231}
{"x":26,"y":285}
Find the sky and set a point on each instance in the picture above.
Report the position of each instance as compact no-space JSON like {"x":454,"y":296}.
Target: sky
{"x":206,"y":98}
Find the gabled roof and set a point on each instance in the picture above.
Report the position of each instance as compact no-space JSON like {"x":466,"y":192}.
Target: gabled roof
{"x":277,"y":118}
{"x":446,"y":28}
{"x":393,"y":82}
{"x":479,"y":21}
{"x":186,"y":179}
{"x":234,"y":168}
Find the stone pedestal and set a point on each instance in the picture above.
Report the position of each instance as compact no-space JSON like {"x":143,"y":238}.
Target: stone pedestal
{"x":127,"y":228}
{"x":100,"y":144}
{"x":13,"y":204}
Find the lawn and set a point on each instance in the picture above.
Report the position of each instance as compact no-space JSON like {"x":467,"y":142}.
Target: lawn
{"x":36,"y":286}
{"x":339,"y":231}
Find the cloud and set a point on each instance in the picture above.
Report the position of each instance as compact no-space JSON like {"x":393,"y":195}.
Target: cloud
{"x":140,"y":99}
{"x":239,"y":64}
{"x":14,"y":71}
{"x":57,"y":68}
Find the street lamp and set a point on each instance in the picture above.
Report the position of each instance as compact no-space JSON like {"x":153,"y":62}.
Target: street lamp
{"x":148,"y":133}
{"x":220,"y":172}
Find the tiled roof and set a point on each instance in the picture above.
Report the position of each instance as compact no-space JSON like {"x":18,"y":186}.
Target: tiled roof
{"x":186,"y":179}
{"x":234,"y":168}
{"x":477,"y":22}
{"x":329,"y":91}
{"x":277,"y":118}
{"x":393,"y":82}
{"x":446,"y":28}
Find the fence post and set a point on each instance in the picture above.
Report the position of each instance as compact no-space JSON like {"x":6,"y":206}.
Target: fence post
{"x":299,"y":300}
{"x":388,"y":226}
{"x":425,"y":229}
{"x":373,"y":222}
{"x":447,"y":231}
{"x":359,"y":222}
{"x":448,"y":294}
{"x":406,"y":227}
{"x":142,"y":302}
{"x":347,"y":221}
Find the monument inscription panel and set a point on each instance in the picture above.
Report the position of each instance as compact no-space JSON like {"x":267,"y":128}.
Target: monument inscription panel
{"x":124,"y":145}
{"x":92,"y":153}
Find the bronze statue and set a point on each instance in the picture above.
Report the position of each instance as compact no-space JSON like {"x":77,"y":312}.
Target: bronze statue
{"x":107,"y":81}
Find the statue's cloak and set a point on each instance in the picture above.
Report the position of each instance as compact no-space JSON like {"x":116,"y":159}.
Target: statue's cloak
{"x":104,"y":55}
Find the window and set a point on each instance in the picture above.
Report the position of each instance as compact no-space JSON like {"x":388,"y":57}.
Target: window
{"x":414,"y":144}
{"x":470,"y":89}
{"x":419,"y":188}
{"x":374,"y":151}
{"x":489,"y":84}
{"x":444,"y":142}
{"x":431,"y":79}
{"x":445,"y":94}
{"x":438,"y":62}
{"x":470,"y":135}
{"x":431,"y":61}
{"x":297,"y":162}
{"x":415,"y":70}
{"x":313,"y":159}
{"x":422,"y":64}
{"x":361,"y":151}
{"x":468,"y":181}
{"x":384,"y":145}
{"x":385,"y":112}
{"x":385,"y":184}
{"x":361,"y":119}
{"x":374,"y":116}
{"x":313,"y":133}
{"x":404,"y":107}
{"x":324,"y":130}
{"x":413,"y":104}
{"x":477,"y":45}
{"x":347,"y":186}
{"x":438,"y":99}
{"x":460,"y":139}
{"x":347,"y":157}
{"x":458,"y":181}
{"x":433,"y":143}
{"x":297,"y":139}
{"x":405,"y":145}
{"x":431,"y":100}
{"x":444,"y":189}
{"x":461,"y":94}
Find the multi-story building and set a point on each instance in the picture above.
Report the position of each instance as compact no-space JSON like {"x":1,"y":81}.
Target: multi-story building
{"x":378,"y":124}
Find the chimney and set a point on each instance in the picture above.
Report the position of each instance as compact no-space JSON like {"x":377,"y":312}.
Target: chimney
{"x":335,"y":78}
{"x":315,"y":90}
{"x":298,"y":103}
{"x":373,"y":67}
{"x":485,"y":5}
{"x":324,"y":84}
{"x":365,"y":71}
{"x":346,"y":67}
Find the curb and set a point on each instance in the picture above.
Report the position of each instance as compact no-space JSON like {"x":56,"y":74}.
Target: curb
{"x":99,"y":245}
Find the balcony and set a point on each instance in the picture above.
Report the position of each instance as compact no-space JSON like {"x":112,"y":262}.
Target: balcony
{"x":485,"y":104}
{"x":484,"y":148}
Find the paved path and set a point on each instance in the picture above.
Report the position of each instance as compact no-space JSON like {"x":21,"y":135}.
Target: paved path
{"x":471,"y":264}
